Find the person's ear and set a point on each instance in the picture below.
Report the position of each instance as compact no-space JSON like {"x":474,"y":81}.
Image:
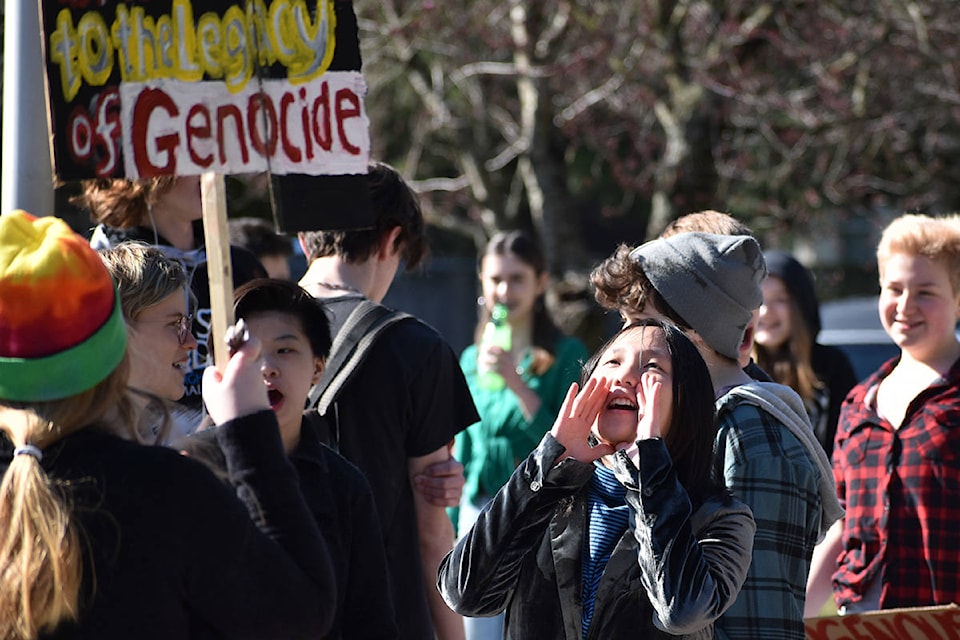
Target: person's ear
{"x":386,"y":248}
{"x":319,"y":364}
{"x":746,"y":345}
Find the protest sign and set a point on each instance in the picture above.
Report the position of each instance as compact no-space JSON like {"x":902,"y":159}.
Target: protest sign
{"x":181,"y":87}
{"x":922,"y":623}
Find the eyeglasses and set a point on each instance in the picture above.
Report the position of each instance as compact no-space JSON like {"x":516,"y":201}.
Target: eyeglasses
{"x":183,"y":324}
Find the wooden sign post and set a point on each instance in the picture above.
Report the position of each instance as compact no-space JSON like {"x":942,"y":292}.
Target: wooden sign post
{"x":213,"y":192}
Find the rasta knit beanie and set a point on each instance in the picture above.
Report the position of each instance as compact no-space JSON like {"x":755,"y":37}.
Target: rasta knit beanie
{"x":61,"y":329}
{"x":711,"y":281}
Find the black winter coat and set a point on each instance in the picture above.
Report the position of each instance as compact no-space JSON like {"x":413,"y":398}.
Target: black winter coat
{"x":339,"y":497}
{"x":672,"y":573}
{"x":170,"y":552}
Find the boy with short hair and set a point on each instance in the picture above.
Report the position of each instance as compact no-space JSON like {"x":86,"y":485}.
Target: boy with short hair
{"x":896,"y":451}
{"x":723,"y":224}
{"x":709,"y":285}
{"x":294,"y":332}
{"x":403,"y":405}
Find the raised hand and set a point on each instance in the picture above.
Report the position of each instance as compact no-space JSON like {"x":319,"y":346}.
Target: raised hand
{"x":656,"y":414}
{"x":496,"y":358}
{"x":239,"y":390}
{"x":656,"y":410}
{"x":577,"y":417}
{"x":441,"y":483}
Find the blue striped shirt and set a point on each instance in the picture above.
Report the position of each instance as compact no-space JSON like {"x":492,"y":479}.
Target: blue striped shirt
{"x":607,"y":514}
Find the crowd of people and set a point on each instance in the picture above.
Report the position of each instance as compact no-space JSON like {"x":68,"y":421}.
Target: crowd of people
{"x":711,"y":471}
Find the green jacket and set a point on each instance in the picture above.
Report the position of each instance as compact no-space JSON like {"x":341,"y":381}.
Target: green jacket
{"x":491,"y":449}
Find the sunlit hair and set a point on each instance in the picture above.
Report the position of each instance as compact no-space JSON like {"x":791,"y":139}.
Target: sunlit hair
{"x":524,"y":248}
{"x":692,"y":428}
{"x":394,"y":205}
{"x":789,"y":363}
{"x":620,"y":284}
{"x":40,"y":552}
{"x":122,"y":203}
{"x":919,"y":235}
{"x":266,"y":295}
{"x":144,"y":276}
{"x":707,"y":222}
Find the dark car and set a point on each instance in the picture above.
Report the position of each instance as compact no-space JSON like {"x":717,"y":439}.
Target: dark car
{"x":853,"y":325}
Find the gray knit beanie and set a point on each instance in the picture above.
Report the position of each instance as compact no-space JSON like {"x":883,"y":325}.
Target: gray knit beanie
{"x":711,"y":281}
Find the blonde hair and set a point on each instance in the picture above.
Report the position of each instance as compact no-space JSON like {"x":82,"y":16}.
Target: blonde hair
{"x":40,"y":554}
{"x":144,"y":276}
{"x":937,"y":239}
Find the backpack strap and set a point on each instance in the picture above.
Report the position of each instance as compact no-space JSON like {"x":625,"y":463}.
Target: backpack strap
{"x":350,"y":347}
{"x":327,"y":433}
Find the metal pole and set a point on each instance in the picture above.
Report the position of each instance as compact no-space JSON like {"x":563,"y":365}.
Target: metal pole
{"x":26,"y":180}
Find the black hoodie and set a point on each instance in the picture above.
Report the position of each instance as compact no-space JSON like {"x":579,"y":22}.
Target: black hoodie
{"x":830,"y":364}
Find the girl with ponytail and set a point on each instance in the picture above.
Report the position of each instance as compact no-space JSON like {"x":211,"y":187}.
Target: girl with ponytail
{"x":40,"y":546}
{"x":103,"y":537}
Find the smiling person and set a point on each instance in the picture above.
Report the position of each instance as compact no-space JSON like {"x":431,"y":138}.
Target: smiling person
{"x":765,"y":450}
{"x":154,"y":297}
{"x":535,"y":371}
{"x":104,"y":537}
{"x":166,"y":212}
{"x":785,"y":345}
{"x":613,"y":526}
{"x":895,"y":458}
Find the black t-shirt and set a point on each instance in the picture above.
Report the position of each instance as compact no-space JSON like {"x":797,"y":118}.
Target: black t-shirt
{"x":407,"y":399}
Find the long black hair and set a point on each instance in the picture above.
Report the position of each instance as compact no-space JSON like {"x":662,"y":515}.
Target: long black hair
{"x":692,"y":430}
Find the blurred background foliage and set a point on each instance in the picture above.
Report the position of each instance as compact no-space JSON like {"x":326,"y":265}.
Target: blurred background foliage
{"x":595,"y":123}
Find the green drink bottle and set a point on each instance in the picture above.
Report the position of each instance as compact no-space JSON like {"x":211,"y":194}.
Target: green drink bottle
{"x":497,"y":332}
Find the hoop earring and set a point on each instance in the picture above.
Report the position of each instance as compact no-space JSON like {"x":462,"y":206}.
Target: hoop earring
{"x":481,"y":301}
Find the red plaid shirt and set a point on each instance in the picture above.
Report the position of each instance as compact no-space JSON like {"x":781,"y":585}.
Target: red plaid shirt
{"x":901,"y":490}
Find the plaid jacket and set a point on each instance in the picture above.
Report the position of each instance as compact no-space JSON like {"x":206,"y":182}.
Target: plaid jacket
{"x":768,"y":468}
{"x":901,"y":488}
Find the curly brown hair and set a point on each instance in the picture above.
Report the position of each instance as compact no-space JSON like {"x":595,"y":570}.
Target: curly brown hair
{"x":121,"y":203}
{"x":620,"y":283}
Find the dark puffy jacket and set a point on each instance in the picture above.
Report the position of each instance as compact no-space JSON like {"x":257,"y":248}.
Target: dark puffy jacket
{"x":672,"y":573}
